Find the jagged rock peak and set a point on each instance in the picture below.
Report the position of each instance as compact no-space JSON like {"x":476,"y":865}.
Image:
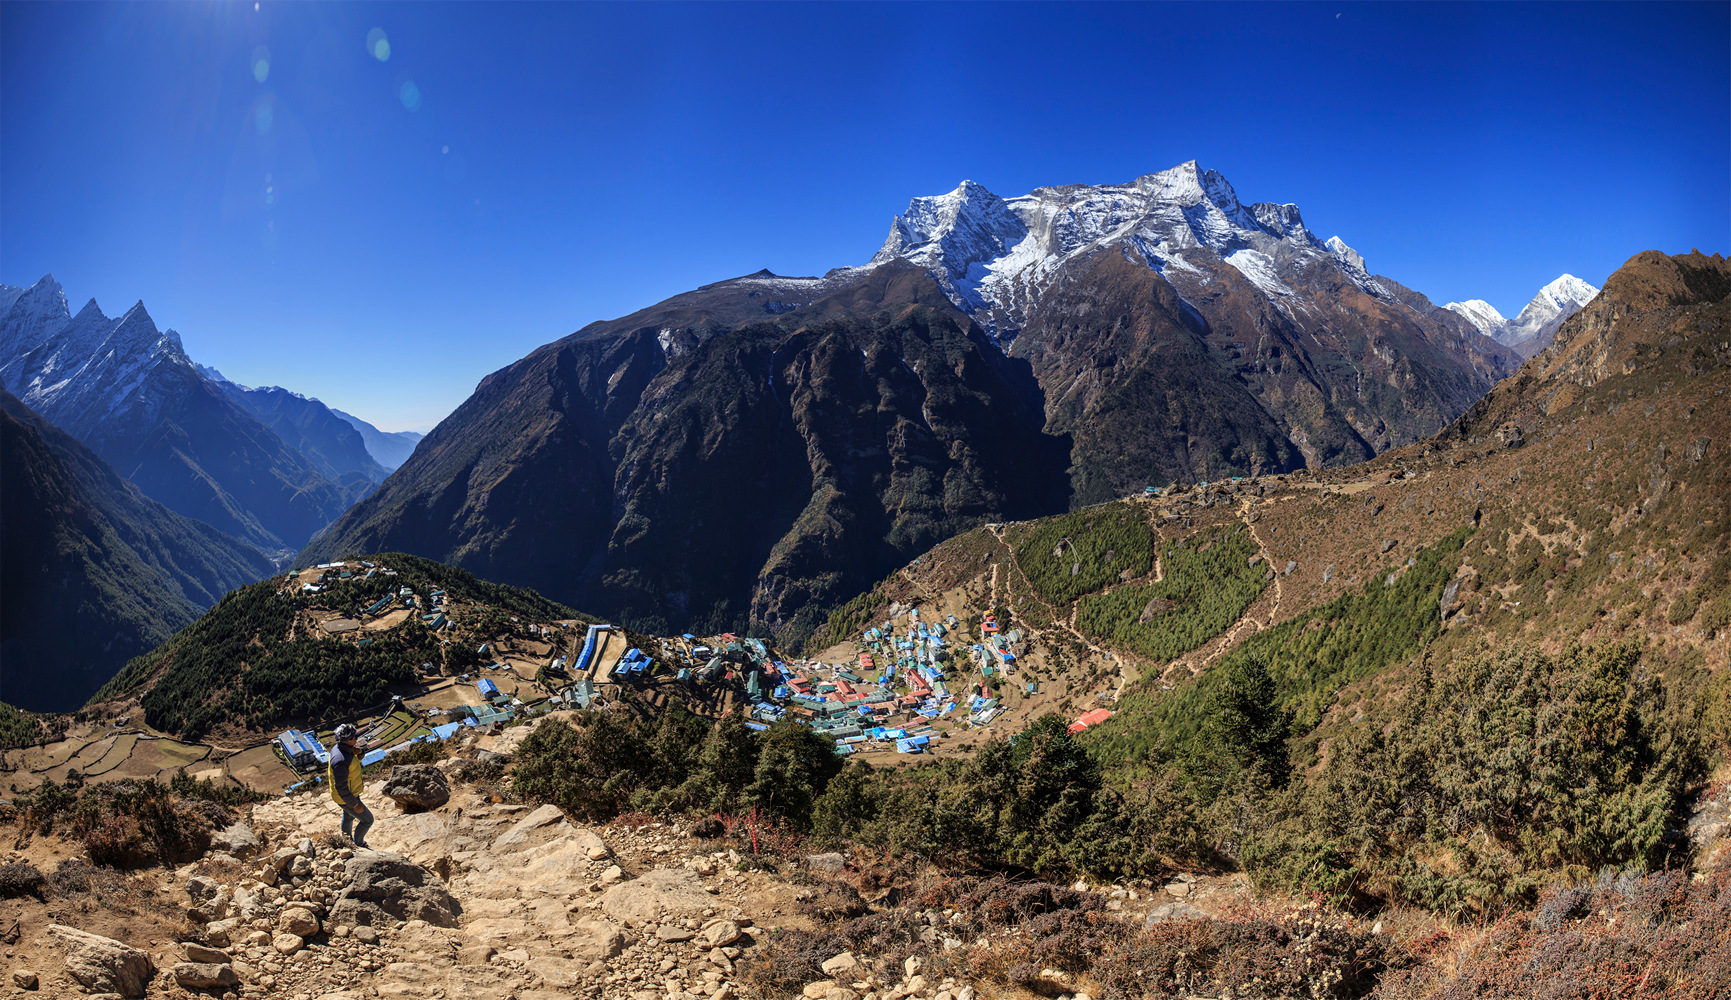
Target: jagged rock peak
{"x":953,"y":230}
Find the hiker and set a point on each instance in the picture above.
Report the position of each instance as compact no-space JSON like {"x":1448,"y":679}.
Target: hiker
{"x":345,"y":781}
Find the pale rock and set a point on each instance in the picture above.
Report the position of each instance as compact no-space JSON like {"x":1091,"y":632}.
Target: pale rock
{"x":1173,"y":911}
{"x":722,"y":934}
{"x":199,"y":953}
{"x":237,"y":840}
{"x":642,"y":900}
{"x":545,"y":816}
{"x":288,"y":944}
{"x":103,"y":964}
{"x":25,"y":979}
{"x":205,"y":976}
{"x":298,"y":920}
{"x":842,"y":963}
{"x":597,"y":940}
{"x":831,"y":862}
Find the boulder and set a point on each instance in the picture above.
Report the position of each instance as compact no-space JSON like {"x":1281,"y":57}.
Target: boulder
{"x":831,"y":862}
{"x":288,"y":944}
{"x":238,"y":840}
{"x":841,"y":964}
{"x":298,"y":920}
{"x":643,"y":900}
{"x":200,"y":888}
{"x":25,"y":979}
{"x":205,"y":976}
{"x":721,"y":934}
{"x":383,"y":888}
{"x":418,"y":786}
{"x":282,"y":858}
{"x":196,"y":952}
{"x":219,"y":932}
{"x":103,"y":965}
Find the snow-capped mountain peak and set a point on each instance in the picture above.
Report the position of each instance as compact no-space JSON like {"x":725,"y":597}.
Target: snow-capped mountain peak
{"x":1537,"y":322}
{"x":994,"y":256}
{"x":1567,"y":292}
{"x":1480,"y":314}
{"x":949,"y":233}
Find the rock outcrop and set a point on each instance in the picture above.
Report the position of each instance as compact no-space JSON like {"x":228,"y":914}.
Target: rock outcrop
{"x":102,"y":964}
{"x":383,"y":888}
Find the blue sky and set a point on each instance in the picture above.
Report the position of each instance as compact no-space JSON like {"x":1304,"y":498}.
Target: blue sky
{"x":383,"y":233}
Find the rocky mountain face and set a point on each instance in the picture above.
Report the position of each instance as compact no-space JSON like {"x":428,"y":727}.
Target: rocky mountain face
{"x":130,"y":393}
{"x":95,"y":572}
{"x":693,"y":475}
{"x":758,"y":446}
{"x":388,"y":448}
{"x":1530,"y":331}
{"x":1282,"y":348}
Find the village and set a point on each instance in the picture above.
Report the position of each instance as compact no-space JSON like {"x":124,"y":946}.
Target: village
{"x":910,"y":685}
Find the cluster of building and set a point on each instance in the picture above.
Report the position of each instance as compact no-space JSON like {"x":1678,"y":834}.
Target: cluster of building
{"x":892,"y":696}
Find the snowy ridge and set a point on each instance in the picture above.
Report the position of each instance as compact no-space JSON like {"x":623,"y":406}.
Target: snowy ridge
{"x":994,"y":256}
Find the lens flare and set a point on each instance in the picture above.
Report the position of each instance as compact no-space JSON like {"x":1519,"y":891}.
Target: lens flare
{"x":260,"y":63}
{"x":264,"y":118}
{"x":410,"y":95}
{"x":378,"y":46}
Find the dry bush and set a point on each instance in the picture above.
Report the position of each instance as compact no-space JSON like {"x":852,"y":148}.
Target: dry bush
{"x":89,"y":888}
{"x":1659,"y":936}
{"x":20,"y":879}
{"x":834,"y":901}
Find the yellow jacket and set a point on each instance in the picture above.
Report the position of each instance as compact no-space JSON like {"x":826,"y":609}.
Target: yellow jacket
{"x":344,"y":774}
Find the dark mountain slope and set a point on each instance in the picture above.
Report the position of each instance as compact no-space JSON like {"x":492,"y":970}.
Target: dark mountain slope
{"x":94,"y":571}
{"x":761,"y":468}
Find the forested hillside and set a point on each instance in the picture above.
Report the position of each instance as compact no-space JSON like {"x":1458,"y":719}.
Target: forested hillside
{"x":260,"y":659}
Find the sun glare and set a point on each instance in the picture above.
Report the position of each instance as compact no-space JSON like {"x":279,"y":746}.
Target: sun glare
{"x":378,"y":46}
